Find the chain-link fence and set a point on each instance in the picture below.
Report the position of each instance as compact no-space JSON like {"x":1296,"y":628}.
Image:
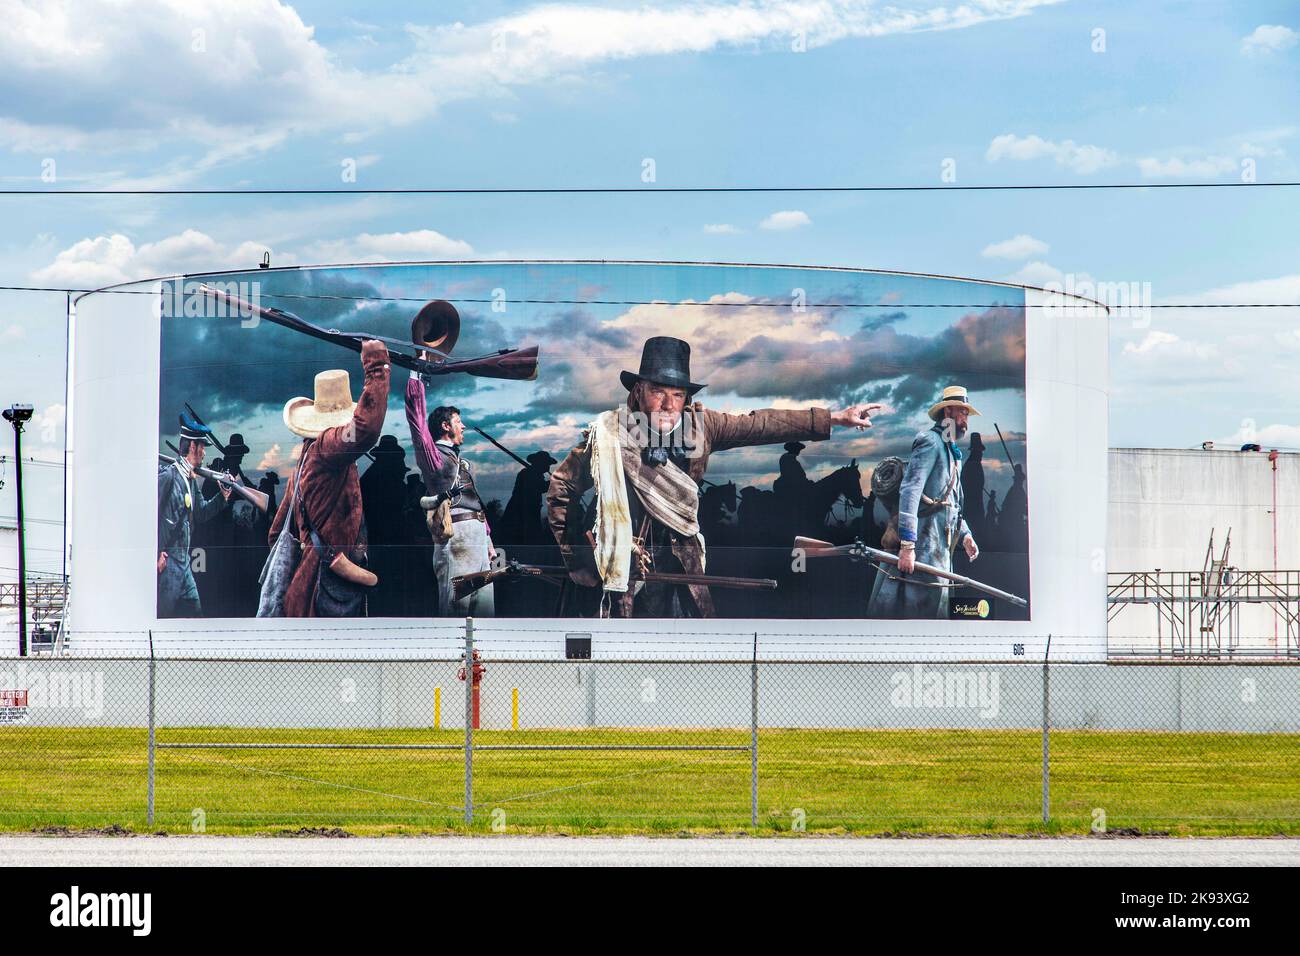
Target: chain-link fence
{"x":729,"y":738}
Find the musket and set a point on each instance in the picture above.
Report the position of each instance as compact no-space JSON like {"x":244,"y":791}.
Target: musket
{"x":1010,"y":461}
{"x":464,"y":585}
{"x":259,"y":499}
{"x":859,"y":551}
{"x":469,"y":583}
{"x":195,"y":415}
{"x":499,"y":445}
{"x":516,"y":364}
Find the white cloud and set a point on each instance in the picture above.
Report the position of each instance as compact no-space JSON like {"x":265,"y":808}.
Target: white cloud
{"x":1037,"y":274}
{"x":721,"y":229}
{"x":1022,"y":246}
{"x":228,"y":73}
{"x":1270,"y":436}
{"x":106,"y":260}
{"x":389,"y":247}
{"x":48,"y":422}
{"x":12,"y":333}
{"x":786,"y":219}
{"x":1269,"y":39}
{"x":1152,"y":341}
{"x":1079,"y":158}
{"x":1203,"y":168}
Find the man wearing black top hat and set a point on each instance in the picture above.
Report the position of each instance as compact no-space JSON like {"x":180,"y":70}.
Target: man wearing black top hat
{"x":646,"y":462}
{"x":181,"y":506}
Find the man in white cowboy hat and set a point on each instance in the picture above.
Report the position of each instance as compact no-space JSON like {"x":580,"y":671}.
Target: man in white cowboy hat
{"x":930,"y":522}
{"x":325,"y":494}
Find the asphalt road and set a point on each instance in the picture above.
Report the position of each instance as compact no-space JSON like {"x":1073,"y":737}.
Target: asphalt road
{"x":638,"y":851}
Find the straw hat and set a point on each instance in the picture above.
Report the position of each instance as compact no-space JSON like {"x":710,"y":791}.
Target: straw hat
{"x":954,"y":396}
{"x":333,"y":406}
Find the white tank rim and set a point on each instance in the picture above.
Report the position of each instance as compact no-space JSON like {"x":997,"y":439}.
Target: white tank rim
{"x":257,"y":270}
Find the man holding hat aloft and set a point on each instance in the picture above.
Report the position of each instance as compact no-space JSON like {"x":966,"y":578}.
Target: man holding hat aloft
{"x":324,"y":495}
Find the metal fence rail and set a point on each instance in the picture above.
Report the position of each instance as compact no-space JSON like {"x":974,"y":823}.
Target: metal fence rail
{"x":246,"y":743}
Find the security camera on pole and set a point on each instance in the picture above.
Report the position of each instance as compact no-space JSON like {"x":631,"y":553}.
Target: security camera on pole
{"x":18,"y":415}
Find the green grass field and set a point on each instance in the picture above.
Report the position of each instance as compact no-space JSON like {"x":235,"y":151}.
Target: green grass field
{"x":868,"y":782}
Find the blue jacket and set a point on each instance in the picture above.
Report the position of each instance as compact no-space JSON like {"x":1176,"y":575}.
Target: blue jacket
{"x":934,"y":470}
{"x":176,"y":515}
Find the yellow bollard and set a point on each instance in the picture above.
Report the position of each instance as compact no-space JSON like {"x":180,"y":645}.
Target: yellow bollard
{"x":437,"y":708}
{"x":514,"y":708}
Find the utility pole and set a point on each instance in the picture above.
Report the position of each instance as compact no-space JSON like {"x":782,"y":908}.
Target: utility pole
{"x":18,"y":416}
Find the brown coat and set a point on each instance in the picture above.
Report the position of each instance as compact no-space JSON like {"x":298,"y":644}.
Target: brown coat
{"x":719,"y":431}
{"x":330,"y":490}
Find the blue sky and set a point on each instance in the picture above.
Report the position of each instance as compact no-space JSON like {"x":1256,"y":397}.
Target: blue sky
{"x":496,"y":94}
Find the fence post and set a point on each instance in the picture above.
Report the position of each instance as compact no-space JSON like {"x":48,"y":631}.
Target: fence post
{"x":1047,"y":725}
{"x":152,"y":732}
{"x":469,"y":721}
{"x":753,"y":736}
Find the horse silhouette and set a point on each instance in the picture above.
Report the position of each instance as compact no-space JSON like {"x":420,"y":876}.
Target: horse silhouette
{"x":810,"y":518}
{"x":718,"y":513}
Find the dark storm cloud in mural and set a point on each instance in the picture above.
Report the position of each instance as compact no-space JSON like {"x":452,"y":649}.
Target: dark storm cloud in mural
{"x":856,"y":340}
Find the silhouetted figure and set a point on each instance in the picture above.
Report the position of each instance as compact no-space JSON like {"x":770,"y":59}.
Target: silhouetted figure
{"x":1014,"y":520}
{"x":718,"y":514}
{"x":417,"y":566}
{"x":793,"y":480}
{"x":383,"y":493}
{"x":268,"y":484}
{"x":818,"y":502}
{"x":216,"y":572}
{"x":972,"y":484}
{"x":521,"y":522}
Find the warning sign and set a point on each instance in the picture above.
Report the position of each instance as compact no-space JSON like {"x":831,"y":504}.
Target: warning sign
{"x":13,"y":706}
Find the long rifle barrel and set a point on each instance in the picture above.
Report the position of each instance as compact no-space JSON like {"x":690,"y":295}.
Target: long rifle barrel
{"x":259,"y":499}
{"x":515,"y":364}
{"x":469,"y":583}
{"x":499,"y":445}
{"x":814,"y":548}
{"x":1010,"y":461}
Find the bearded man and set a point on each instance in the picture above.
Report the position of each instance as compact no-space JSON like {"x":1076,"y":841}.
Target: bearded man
{"x":930,"y":521}
{"x":646,"y":463}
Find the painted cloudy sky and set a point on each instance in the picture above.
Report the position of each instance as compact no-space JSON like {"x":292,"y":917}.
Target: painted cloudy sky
{"x":859,"y":338}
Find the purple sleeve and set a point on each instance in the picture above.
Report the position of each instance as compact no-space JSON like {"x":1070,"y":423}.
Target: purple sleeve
{"x":427,"y":457}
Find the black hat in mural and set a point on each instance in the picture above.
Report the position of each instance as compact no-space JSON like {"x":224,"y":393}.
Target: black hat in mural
{"x":664,"y":361}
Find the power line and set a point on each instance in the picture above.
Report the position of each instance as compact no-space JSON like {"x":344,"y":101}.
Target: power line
{"x":629,"y":190}
{"x":33,"y":461}
{"x":707,"y":305}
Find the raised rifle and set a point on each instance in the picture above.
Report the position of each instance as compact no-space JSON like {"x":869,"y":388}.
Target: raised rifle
{"x":499,"y":445}
{"x":258,"y":499}
{"x":516,"y":364}
{"x":859,"y":551}
{"x":1010,"y":461}
{"x":212,"y":436}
